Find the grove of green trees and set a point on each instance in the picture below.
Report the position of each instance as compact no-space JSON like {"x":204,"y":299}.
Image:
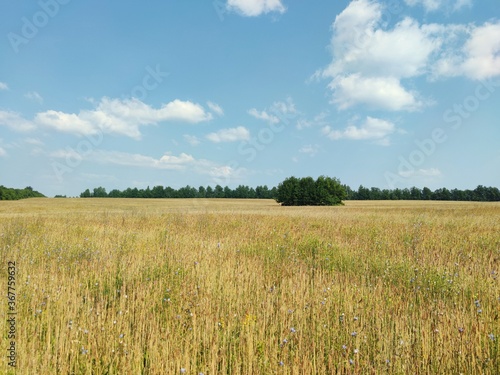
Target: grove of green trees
{"x":325,"y":191}
{"x":10,"y":194}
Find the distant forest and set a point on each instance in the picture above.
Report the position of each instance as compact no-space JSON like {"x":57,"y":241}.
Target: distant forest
{"x":10,"y":194}
{"x":479,"y":194}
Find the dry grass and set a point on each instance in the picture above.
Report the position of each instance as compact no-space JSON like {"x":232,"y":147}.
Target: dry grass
{"x":110,"y":286}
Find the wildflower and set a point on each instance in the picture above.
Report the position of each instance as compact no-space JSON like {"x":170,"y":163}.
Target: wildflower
{"x":356,"y":318}
{"x":285,"y":341}
{"x":461,"y":329}
{"x":351,"y":361}
{"x":491,"y":336}
{"x":387,"y":361}
{"x":344,"y":347}
{"x":183,"y":370}
{"x":293,"y":330}
{"x":84,"y":351}
{"x":280,"y":363}
{"x":122,"y":335}
{"x":356,"y":351}
{"x":354,"y":334}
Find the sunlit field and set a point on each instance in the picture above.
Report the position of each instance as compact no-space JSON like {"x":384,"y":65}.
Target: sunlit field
{"x":124,"y":286}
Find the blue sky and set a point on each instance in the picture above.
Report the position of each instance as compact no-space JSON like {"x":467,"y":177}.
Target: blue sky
{"x":119,"y":94}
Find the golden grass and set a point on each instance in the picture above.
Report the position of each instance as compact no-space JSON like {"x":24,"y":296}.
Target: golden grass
{"x":112,"y":286}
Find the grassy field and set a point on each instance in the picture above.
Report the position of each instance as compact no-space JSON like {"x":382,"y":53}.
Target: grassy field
{"x":111,"y":286}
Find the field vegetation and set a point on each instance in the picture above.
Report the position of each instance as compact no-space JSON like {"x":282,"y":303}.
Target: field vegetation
{"x":129,"y":286}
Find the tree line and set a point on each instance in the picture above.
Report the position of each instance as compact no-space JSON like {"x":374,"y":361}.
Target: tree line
{"x":242,"y":191}
{"x":11,"y":194}
{"x":302,"y":191}
{"x":479,"y":194}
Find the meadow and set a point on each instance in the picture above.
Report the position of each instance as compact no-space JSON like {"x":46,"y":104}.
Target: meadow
{"x":128,"y":286}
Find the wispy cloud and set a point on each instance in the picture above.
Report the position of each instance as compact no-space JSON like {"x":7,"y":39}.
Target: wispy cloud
{"x":310,"y":150}
{"x":15,"y":121}
{"x":431,"y":172}
{"x":263,"y":115}
{"x":33,"y":95}
{"x":435,"y":5}
{"x":239,"y":133}
{"x":253,"y":8}
{"x":374,"y":129}
{"x":217,"y":109}
{"x":3,"y":86}
{"x":192,"y":140}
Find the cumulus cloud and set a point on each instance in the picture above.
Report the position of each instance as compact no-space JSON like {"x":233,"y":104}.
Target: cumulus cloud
{"x":253,"y":8}
{"x":369,"y":62}
{"x":375,"y":92}
{"x":482,"y":52}
{"x":372,"y":62}
{"x":114,"y":116}
{"x":239,"y":133}
{"x":374,"y":129}
{"x":15,"y":121}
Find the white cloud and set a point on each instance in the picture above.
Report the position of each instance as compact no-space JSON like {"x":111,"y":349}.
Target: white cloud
{"x":229,"y":135}
{"x":483,"y":52}
{"x":181,"y":162}
{"x":263,"y":115}
{"x":434,"y":5}
{"x":191,"y":139}
{"x":370,"y":61}
{"x":252,"y":8}
{"x":215,"y":108}
{"x":372,"y":129}
{"x":310,"y":150}
{"x":280,"y":111}
{"x":15,"y":121}
{"x":123,"y":117}
{"x":68,"y":153}
{"x":3,"y":86}
{"x":431,"y":172}
{"x":167,"y":161}
{"x":33,"y":95}
{"x":2,"y":152}
{"x":475,"y":53}
{"x":375,"y":92}
{"x":34,"y":141}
